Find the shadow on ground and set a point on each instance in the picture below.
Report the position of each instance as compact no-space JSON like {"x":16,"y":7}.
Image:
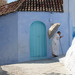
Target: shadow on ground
{"x":43,"y":61}
{"x":40,"y":61}
{"x":53,"y":73}
{"x":51,"y":60}
{"x":2,"y":72}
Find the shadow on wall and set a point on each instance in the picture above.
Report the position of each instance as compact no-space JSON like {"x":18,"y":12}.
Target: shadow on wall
{"x":3,"y":72}
{"x":53,"y":73}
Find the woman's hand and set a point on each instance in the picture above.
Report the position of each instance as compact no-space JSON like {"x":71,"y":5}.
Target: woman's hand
{"x":61,"y":36}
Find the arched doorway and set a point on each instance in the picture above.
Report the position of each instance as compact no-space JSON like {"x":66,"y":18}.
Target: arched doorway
{"x":38,"y":45}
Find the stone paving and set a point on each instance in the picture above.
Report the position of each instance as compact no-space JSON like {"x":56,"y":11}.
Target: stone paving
{"x":41,"y":67}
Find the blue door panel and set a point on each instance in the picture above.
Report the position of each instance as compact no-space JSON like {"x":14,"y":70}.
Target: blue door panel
{"x":38,"y":46}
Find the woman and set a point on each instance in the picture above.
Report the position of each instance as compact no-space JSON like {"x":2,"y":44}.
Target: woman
{"x":55,"y":44}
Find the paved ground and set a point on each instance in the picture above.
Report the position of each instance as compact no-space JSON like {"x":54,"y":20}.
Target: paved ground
{"x":41,"y":67}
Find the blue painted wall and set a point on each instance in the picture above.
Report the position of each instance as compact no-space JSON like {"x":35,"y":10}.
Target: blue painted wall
{"x":71,"y":4}
{"x":9,"y":38}
{"x":67,"y":10}
{"x":64,"y":28}
{"x":15,"y":28}
{"x":25,"y":19}
{"x":73,"y":31}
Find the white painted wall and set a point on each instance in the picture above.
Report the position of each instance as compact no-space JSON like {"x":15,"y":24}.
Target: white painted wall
{"x":69,"y":59}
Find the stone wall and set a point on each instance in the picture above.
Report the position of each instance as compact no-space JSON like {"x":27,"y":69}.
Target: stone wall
{"x":2,"y":2}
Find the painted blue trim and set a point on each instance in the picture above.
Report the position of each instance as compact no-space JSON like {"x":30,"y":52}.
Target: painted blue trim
{"x":73,"y":32}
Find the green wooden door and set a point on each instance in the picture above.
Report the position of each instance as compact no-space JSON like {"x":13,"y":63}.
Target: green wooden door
{"x":38,"y":46}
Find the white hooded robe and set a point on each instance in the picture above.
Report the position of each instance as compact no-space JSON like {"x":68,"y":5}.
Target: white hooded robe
{"x":55,"y":44}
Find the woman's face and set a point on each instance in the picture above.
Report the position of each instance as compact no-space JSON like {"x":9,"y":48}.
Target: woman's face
{"x":59,"y":33}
